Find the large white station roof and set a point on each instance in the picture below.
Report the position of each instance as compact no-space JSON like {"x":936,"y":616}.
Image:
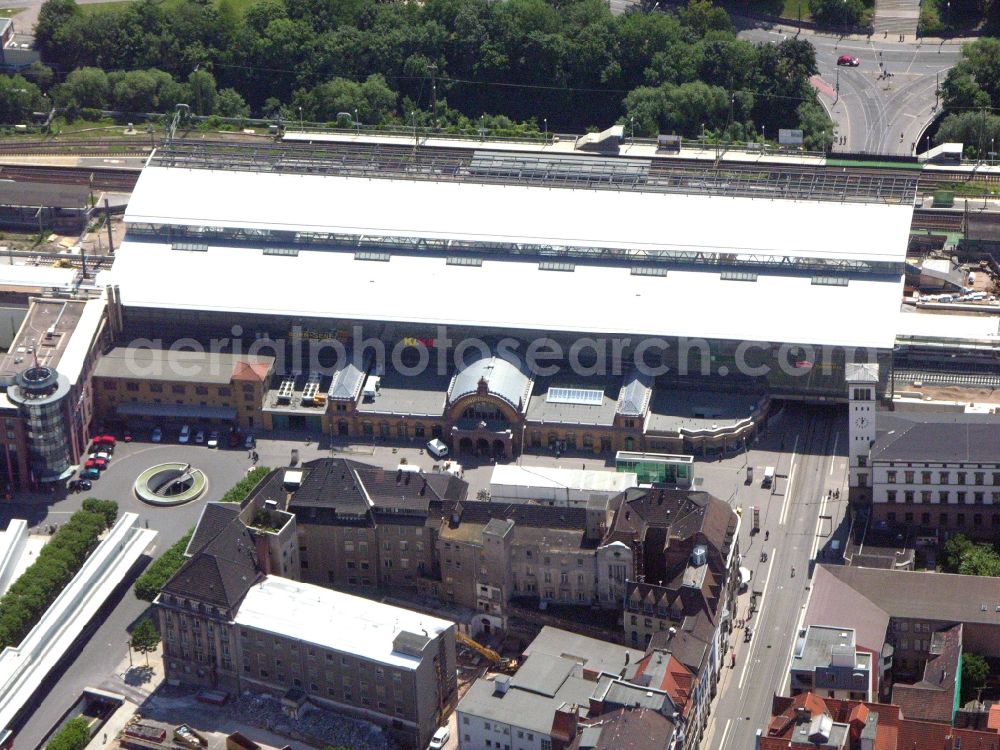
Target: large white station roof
{"x":505,"y":294}
{"x":520,"y":214}
{"x":335,"y":620}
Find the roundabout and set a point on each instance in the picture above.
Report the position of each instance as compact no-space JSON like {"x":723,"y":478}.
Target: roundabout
{"x":174,"y":483}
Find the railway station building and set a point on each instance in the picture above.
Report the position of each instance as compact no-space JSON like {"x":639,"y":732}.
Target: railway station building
{"x":511,"y":296}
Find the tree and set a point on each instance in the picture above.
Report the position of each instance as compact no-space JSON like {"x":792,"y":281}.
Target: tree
{"x":145,"y":638}
{"x":18,"y":99}
{"x":52,"y":17}
{"x":162,"y":569}
{"x":968,"y":558}
{"x":837,"y":13}
{"x":975,"y":673}
{"x":204,"y":96}
{"x":977,"y":130}
{"x":817,"y":127}
{"x":107,"y":509}
{"x":75,"y":735}
{"x":231,"y":104}
{"x":84,"y":87}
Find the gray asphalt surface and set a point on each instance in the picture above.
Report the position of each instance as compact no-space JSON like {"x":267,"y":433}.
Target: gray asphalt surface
{"x":872,"y":112}
{"x":813,"y":463}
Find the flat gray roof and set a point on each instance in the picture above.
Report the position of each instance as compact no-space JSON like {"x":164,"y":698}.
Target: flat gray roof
{"x":421,"y":395}
{"x":179,"y":365}
{"x":603,"y":414}
{"x":676,"y":410}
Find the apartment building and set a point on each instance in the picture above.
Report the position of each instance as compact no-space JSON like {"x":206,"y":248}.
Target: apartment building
{"x":682,"y":586}
{"x":916,"y":624}
{"x":227,"y":624}
{"x":578,"y":692}
{"x":808,"y":721}
{"x":827,"y":661}
{"x":360,"y":525}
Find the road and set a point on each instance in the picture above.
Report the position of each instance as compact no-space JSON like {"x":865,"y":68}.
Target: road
{"x":813,"y":463}
{"x":872,"y":112}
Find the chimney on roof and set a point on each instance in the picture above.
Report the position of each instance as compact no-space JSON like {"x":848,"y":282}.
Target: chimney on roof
{"x":399,"y":475}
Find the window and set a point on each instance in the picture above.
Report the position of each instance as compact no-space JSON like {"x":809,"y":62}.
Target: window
{"x":925,"y":477}
{"x":132,"y":387}
{"x":943,"y":497}
{"x":890,"y":496}
{"x":156,"y":387}
{"x":943,"y":477}
{"x":908,"y":477}
{"x":925,"y":518}
{"x":177,"y":390}
{"x":890,"y":477}
{"x":961,"y":495}
{"x":979,"y":478}
{"x":978,"y":497}
{"x":925,"y":496}
{"x":961,"y":477}
{"x":908,"y":496}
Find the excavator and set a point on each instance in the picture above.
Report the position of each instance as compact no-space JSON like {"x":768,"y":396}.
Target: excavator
{"x":509,"y":666}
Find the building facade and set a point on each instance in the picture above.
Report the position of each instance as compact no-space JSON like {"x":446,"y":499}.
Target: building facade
{"x":229,"y":625}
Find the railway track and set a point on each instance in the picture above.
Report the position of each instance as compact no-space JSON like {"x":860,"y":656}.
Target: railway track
{"x":98,"y":178}
{"x":937,"y":220}
{"x":82,"y":147}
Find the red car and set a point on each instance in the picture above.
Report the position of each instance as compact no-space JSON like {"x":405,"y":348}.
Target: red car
{"x":96,"y":463}
{"x":105,"y":440}
{"x":127,"y":437}
{"x":849,"y":60}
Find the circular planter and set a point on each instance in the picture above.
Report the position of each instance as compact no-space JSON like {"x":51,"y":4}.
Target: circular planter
{"x":169,"y":484}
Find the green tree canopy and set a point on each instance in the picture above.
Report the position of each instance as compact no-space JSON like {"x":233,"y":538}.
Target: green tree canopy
{"x":144,"y":638}
{"x":975,"y":672}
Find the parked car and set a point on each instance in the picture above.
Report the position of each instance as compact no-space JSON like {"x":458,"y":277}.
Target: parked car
{"x":185,"y":434}
{"x":79,"y":485}
{"x":96,"y":463}
{"x":90,"y":473}
{"x":157,"y":435}
{"x":848,"y":60}
{"x":199,"y":437}
{"x":107,"y":440}
{"x":127,"y":437}
{"x":249,"y":442}
{"x":103,"y":455}
{"x":213,"y":439}
{"x":439,"y":739}
{"x":234,"y":439}
{"x":437,"y":448}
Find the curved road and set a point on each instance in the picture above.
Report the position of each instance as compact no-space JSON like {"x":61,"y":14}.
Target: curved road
{"x":873,"y":111}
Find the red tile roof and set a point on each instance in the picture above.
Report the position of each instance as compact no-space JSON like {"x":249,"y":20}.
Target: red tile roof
{"x":254,"y":371}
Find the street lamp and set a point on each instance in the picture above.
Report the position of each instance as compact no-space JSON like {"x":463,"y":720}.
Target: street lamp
{"x":300,"y":118}
{"x":631,"y":126}
{"x":545,"y":124}
{"x":357,"y":122}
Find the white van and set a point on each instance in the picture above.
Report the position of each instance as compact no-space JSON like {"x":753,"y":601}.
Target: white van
{"x":185,"y":434}
{"x":768,"y":477}
{"x":437,"y":448}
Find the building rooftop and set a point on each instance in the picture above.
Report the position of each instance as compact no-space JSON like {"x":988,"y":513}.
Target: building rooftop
{"x":558,"y":402}
{"x":142,"y":363}
{"x":491,"y":213}
{"x":336,"y":621}
{"x":594,"y":654}
{"x":945,"y":437}
{"x":862,"y":313}
{"x":834,"y":603}
{"x":418,"y":395}
{"x":35,"y":194}
{"x":935,"y":325}
{"x":549,"y":478}
{"x":914,"y":594}
{"x":494,"y":376}
{"x":934,"y":697}
{"x":677,"y":411}
{"x":58,"y":332}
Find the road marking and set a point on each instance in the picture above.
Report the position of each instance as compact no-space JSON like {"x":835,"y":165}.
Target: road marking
{"x":760,"y":614}
{"x":788,"y":487}
{"x":722,"y":741}
{"x":819,"y":520}
{"x":833,"y":453}
{"x":791,"y":652}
